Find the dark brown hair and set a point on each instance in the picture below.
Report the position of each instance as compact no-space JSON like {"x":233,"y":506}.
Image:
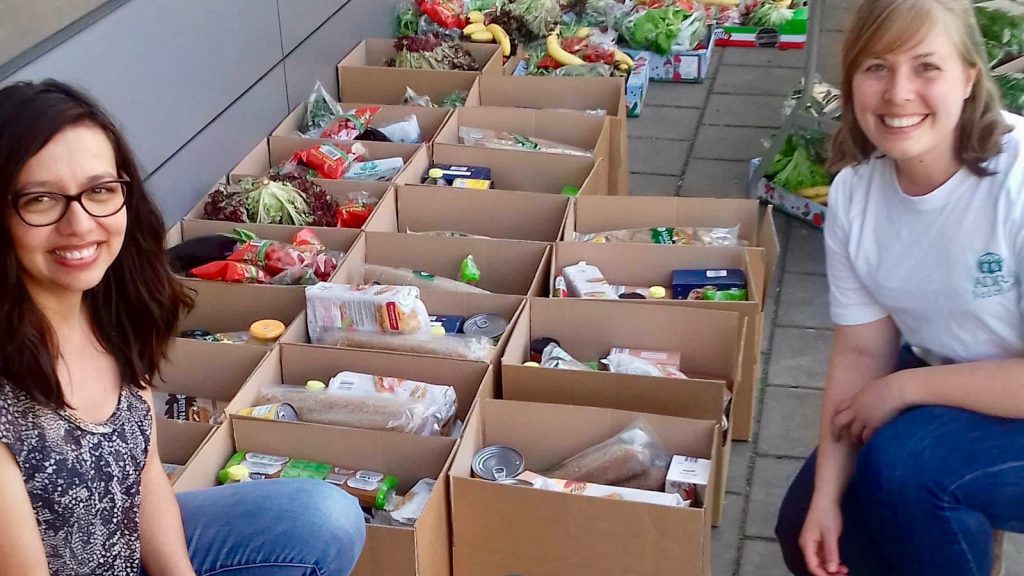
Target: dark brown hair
{"x":135,"y":308}
{"x":885,"y":26}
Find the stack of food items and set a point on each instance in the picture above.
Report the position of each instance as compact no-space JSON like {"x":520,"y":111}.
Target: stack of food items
{"x":582,"y":280}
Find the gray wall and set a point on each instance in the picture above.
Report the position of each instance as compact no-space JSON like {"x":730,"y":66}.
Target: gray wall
{"x":195,"y":84}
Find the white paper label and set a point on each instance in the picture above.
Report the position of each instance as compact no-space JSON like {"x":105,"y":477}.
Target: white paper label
{"x":717,"y":273}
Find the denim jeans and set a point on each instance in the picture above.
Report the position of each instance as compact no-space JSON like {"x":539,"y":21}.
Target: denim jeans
{"x":927,"y":490}
{"x":272,"y":528}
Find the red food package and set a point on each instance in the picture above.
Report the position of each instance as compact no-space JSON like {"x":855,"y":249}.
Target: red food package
{"x":329,"y":161}
{"x":350,"y":125}
{"x":235,"y":272}
{"x":306,"y":240}
{"x":597,"y":53}
{"x":268,"y":255}
{"x":548,"y":63}
{"x":323,"y":265}
{"x":445,"y":13}
{"x":573,"y":45}
{"x":355,"y":211}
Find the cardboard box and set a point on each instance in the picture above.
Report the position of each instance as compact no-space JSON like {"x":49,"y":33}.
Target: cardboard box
{"x":224,"y":307}
{"x":581,"y":94}
{"x":710,"y":342}
{"x":423,"y":550}
{"x":637,"y":84}
{"x":500,"y":529}
{"x":429,"y":119}
{"x":796,"y":206}
{"x":374,"y":52}
{"x":587,"y":132}
{"x":679,"y":65}
{"x":530,"y":171}
{"x":791,"y":35}
{"x":652,"y":264}
{"x":492,"y":213}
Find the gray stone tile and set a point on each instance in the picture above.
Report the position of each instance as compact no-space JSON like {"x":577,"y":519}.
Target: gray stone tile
{"x":718,"y":178}
{"x":783,"y":224}
{"x":677,"y":95}
{"x":799,"y":357}
{"x":765,"y":56}
{"x":789,"y":422}
{"x":669,"y":123}
{"x":725,"y":540}
{"x":768,"y":326}
{"x":804,"y":301}
{"x":762,"y":558}
{"x":653,"y":185}
{"x":806,"y":250}
{"x":775,"y":81}
{"x":716,"y":64}
{"x":654,"y":156}
{"x":772,"y":477}
{"x":744,"y":110}
{"x":730,"y":142}
{"x":1013,"y":554}
{"x":739,"y":467}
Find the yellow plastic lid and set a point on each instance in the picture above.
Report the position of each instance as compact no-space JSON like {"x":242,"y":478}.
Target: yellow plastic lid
{"x":266,"y":329}
{"x":315,"y":385}
{"x":238,"y":473}
{"x":656,"y":291}
{"x":531,"y":364}
{"x":435,"y":173}
{"x":437,"y":330}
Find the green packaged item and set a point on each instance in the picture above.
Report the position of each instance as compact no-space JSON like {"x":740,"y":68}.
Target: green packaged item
{"x":469,"y":272}
{"x":730,"y":295}
{"x":264,"y":466}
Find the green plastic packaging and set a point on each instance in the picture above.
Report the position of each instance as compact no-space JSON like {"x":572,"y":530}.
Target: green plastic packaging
{"x":469,"y":272}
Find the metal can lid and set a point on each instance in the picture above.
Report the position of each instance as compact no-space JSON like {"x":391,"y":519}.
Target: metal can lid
{"x":498,"y":463}
{"x":285,"y":412}
{"x":488,"y":325}
{"x":516,"y":482}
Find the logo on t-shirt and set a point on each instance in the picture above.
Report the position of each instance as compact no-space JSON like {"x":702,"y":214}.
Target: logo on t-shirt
{"x":992,"y":280}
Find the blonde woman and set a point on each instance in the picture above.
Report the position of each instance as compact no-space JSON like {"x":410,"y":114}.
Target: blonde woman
{"x":921,"y":445}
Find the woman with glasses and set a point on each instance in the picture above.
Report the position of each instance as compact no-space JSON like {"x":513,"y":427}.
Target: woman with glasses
{"x":88,"y":308}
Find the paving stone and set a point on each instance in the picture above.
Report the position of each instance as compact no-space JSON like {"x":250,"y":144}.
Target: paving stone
{"x":764,"y":56}
{"x":730,"y":142}
{"x":653,"y":185}
{"x":718,"y":178}
{"x":725,"y":540}
{"x":772,"y":477}
{"x":655,"y":156}
{"x":1013,"y":554}
{"x":804,"y":301}
{"x":806,"y":250}
{"x":768,"y":326}
{"x":789,"y":422}
{"x":783,"y":224}
{"x":762,"y":558}
{"x":739,"y":468}
{"x":799,"y":357}
{"x":744,"y":110}
{"x":716,"y":63}
{"x":776,"y":81}
{"x":680,"y":95}
{"x":669,"y":123}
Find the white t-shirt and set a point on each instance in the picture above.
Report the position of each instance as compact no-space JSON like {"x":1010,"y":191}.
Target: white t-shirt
{"x":945,"y":266}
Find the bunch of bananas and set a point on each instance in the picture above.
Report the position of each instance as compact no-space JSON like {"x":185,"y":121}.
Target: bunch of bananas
{"x":479,"y":31}
{"x":554,"y":47}
{"x":817,"y":194}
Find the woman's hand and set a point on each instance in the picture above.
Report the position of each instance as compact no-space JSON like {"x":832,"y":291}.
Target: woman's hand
{"x":819,"y":539}
{"x":858,"y":417}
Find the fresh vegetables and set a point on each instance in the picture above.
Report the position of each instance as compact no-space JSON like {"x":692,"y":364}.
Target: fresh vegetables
{"x":558,"y":53}
{"x":527,"y":20}
{"x":660,"y":30}
{"x":431,"y":53}
{"x":407,"y":20}
{"x":1003,"y":33}
{"x":305,"y":261}
{"x":321,"y":108}
{"x":277,"y":199}
{"x":770,"y":14}
{"x":1012,"y":88}
{"x":799,"y":166}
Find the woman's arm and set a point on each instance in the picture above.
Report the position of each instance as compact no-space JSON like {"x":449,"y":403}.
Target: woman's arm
{"x":21,"y":547}
{"x":163,"y":538}
{"x":993,"y":387}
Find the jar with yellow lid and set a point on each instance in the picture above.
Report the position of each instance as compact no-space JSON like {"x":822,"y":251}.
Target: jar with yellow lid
{"x":265,"y":332}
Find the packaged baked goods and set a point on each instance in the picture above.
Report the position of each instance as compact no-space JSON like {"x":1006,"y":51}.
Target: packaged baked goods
{"x":503,"y":140}
{"x":644,"y":363}
{"x":455,"y":346}
{"x":584,"y":280}
{"x":375,"y":274}
{"x":371,"y":402}
{"x":333,"y":309}
{"x":583,"y":488}
{"x":680,"y":235}
{"x":626,"y":458}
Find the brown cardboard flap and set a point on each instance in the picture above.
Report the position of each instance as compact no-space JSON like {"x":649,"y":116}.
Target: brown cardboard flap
{"x":201,"y":471}
{"x":565,"y":127}
{"x":177,"y":441}
{"x":492,"y":213}
{"x":387,"y":550}
{"x":416,"y":168}
{"x":206,"y":369}
{"x":374,"y":52}
{"x":224,"y":307}
{"x":430,"y":120}
{"x":389,"y":85}
{"x":527,"y":171}
{"x":551,"y":93}
{"x":384,"y":217}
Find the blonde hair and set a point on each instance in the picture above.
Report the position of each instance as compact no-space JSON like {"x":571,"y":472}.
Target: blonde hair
{"x":885,"y":26}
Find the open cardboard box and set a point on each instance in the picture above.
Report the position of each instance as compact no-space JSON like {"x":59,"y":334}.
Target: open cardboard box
{"x":652,"y":265}
{"x":430,"y":120}
{"x":422,"y":550}
{"x":390,"y":85}
{"x":202,"y":370}
{"x":491,"y":213}
{"x":530,"y":171}
{"x":710,"y":344}
{"x":500,"y":529}
{"x":224,"y":307}
{"x":587,"y":132}
{"x":374,"y":52}
{"x":437,"y":303}
{"x":580,"y":94}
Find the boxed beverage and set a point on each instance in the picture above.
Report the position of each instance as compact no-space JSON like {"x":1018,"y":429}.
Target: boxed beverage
{"x":530,"y":172}
{"x":493,"y":523}
{"x":637,"y":84}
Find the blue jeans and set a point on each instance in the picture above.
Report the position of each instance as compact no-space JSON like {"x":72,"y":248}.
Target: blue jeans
{"x":926,"y":493}
{"x":273,"y":528}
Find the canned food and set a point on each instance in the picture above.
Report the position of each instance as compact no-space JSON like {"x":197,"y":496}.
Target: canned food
{"x":282,"y":412}
{"x":516,"y":482}
{"x":486,"y":325}
{"x":498,"y":463}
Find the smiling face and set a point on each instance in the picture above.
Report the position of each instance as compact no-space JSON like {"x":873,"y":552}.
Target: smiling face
{"x":72,"y":255}
{"x":909,"y":102}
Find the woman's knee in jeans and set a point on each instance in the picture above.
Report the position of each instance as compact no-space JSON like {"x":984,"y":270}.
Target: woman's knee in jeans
{"x":336,"y":520}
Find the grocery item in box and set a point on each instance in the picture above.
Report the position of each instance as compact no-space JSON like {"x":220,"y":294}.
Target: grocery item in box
{"x":634,"y":457}
{"x":463,"y":176}
{"x":680,"y":235}
{"x":378,"y":170}
{"x":688,"y":477}
{"x":686,"y":281}
{"x":584,"y":280}
{"x":188,"y":408}
{"x":503,"y":140}
{"x":449,"y":323}
{"x":332,"y":309}
{"x":375,"y":274}
{"x":644,"y":363}
{"x":602,"y":491}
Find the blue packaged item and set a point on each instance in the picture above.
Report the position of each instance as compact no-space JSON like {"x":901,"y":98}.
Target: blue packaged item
{"x":451,"y":324}
{"x":464,"y":176}
{"x":684,"y":282}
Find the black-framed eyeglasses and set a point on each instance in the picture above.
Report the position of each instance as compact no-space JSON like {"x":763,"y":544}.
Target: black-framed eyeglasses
{"x":100,"y":200}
